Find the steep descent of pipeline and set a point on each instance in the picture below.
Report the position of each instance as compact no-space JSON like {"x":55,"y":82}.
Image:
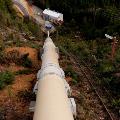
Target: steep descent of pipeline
{"x":52,"y":100}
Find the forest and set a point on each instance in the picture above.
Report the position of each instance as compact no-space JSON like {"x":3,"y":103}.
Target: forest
{"x":93,"y":18}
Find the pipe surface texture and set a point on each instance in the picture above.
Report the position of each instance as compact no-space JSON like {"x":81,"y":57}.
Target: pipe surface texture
{"x":52,"y":101}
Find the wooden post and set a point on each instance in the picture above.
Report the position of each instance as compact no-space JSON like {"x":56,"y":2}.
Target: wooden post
{"x":114,"y":45}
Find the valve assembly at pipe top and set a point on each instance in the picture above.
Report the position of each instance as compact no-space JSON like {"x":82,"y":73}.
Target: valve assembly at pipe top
{"x":52,"y":91}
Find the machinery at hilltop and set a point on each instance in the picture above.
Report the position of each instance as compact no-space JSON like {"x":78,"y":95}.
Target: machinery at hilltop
{"x":52,"y":16}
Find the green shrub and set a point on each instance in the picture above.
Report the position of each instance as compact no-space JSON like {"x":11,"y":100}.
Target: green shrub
{"x":26,"y":95}
{"x":6,"y":78}
{"x":2,"y":57}
{"x":116,"y":103}
{"x":105,"y":66}
{"x":34,"y":45}
{"x":26,"y":62}
{"x":71,"y":73}
{"x":33,"y":28}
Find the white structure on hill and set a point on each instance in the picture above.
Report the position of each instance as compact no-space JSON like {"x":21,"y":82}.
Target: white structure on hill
{"x":53,"y":16}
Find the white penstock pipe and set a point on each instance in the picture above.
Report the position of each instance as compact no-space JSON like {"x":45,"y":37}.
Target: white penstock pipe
{"x":48,"y":34}
{"x":52,"y":102}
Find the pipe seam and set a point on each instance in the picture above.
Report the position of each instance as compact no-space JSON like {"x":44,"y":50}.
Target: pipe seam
{"x":50,"y":69}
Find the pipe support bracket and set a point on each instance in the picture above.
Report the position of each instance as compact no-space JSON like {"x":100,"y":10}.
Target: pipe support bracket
{"x":50,"y":68}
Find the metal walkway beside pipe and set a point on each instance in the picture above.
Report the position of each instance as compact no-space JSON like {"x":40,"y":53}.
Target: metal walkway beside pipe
{"x":52,"y":101}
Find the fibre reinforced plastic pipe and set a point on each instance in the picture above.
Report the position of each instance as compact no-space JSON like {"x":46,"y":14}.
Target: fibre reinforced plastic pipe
{"x":52,"y":102}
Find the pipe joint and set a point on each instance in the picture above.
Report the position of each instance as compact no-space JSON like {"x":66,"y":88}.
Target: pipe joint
{"x":50,"y":69}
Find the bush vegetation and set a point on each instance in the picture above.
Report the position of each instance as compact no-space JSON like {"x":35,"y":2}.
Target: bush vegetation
{"x":25,"y":71}
{"x":27,"y":95}
{"x":10,"y":19}
{"x":71,"y":73}
{"x":97,"y":55}
{"x":93,"y":18}
{"x":6,"y":78}
{"x":26,"y":62}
